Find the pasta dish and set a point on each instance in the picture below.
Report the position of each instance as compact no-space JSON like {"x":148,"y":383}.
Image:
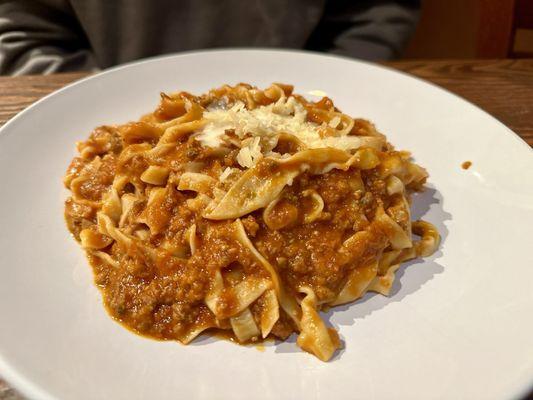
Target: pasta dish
{"x":243,"y":210}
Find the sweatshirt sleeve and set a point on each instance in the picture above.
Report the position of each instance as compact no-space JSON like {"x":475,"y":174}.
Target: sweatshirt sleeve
{"x":366,"y":29}
{"x":41,"y":37}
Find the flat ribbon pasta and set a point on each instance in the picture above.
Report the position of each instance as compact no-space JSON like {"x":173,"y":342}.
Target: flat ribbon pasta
{"x":315,"y":337}
{"x":246,"y":210}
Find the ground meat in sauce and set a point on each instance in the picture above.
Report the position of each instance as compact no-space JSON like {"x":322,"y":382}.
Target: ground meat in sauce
{"x":164,"y":296}
{"x":159,"y":290}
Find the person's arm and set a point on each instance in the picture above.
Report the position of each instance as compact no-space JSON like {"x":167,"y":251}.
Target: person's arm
{"x":367,"y":29}
{"x":40,"y":37}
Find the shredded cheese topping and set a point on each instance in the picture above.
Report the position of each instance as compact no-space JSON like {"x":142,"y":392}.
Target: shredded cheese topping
{"x":193,"y":206}
{"x":286,"y":115}
{"x":257,"y":131}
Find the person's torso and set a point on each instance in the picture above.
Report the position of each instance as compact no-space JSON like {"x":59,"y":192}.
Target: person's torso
{"x":123,"y":30}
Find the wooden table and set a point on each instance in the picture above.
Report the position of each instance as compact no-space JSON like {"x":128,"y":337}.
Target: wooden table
{"x":503,"y":88}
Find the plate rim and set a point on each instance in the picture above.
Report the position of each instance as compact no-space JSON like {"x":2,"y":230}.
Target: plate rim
{"x":157,"y":58}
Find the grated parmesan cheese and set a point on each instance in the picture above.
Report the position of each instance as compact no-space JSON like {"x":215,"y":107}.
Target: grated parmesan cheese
{"x":245,"y":158}
{"x":225,"y":174}
{"x":258,"y":129}
{"x":335,"y":121}
{"x":265,"y":123}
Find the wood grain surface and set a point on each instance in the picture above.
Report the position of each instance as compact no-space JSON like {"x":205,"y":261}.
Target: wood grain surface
{"x":503,"y":88}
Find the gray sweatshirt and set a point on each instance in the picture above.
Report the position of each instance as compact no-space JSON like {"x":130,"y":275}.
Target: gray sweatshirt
{"x":45,"y":36}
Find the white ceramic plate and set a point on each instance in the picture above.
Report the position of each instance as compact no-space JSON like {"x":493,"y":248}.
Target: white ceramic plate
{"x":458,"y":325}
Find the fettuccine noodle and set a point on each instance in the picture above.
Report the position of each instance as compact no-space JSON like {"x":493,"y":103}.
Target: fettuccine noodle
{"x":243,"y":210}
